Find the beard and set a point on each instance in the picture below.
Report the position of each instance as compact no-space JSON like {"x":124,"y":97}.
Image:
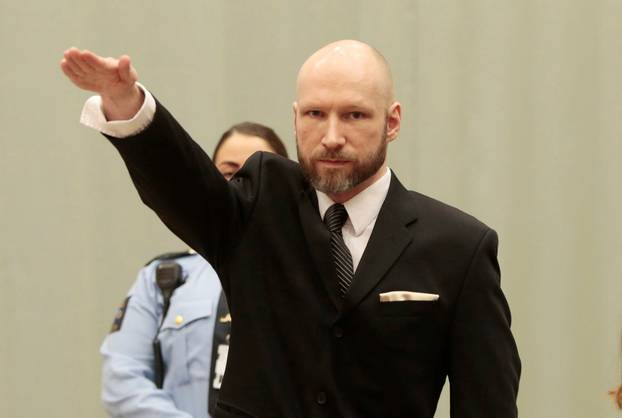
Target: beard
{"x":334,"y":180}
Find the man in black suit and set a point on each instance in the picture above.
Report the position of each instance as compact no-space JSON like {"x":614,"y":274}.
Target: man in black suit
{"x":355,"y":297}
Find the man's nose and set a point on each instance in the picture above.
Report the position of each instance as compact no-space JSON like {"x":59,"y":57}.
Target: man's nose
{"x":334,"y":137}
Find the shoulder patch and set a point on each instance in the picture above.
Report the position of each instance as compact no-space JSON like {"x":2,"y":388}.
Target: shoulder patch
{"x":118,"y":318}
{"x":171,"y":256}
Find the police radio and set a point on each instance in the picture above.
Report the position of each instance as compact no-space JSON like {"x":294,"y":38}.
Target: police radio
{"x":168,"y":276}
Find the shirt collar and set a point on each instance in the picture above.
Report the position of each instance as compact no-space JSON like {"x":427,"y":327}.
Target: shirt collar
{"x":362,"y":208}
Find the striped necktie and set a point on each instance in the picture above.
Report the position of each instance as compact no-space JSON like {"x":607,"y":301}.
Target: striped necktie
{"x":335,"y":217}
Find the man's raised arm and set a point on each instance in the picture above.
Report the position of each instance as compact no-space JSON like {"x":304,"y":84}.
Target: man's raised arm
{"x":113,"y":79}
{"x":171,"y":172}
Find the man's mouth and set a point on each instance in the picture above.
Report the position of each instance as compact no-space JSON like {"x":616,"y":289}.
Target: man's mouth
{"x":333,"y":162}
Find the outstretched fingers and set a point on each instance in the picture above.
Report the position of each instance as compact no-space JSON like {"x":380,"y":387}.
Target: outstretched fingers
{"x":76,"y":66}
{"x":114,"y":79}
{"x":68,"y":69}
{"x":96,"y":62}
{"x":74,"y":72}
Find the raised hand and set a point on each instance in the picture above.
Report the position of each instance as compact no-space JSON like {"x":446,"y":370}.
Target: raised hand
{"x":113,"y":79}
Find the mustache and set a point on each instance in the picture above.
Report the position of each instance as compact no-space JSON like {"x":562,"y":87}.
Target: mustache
{"x":332,"y":155}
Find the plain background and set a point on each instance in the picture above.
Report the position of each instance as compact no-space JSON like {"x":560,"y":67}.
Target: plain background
{"x":511,"y":111}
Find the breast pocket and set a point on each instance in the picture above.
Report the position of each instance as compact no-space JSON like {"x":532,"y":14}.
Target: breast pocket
{"x":186,"y":337}
{"x":408,"y":326}
{"x":407,"y":308}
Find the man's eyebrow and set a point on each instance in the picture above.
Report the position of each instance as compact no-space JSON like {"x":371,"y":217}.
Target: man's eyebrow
{"x":359,"y":106}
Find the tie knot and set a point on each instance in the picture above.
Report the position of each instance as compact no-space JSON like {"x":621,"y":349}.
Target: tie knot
{"x":335,"y":217}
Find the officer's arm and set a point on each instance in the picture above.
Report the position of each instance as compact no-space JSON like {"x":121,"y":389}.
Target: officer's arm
{"x":128,"y":388}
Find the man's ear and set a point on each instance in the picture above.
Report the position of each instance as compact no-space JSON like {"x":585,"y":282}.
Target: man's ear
{"x":394,"y":121}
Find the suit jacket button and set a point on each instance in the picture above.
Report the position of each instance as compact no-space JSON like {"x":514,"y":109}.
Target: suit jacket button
{"x":321,"y":398}
{"x":338,"y":331}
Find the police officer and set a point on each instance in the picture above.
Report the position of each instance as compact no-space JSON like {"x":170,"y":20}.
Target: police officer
{"x":166,"y":353}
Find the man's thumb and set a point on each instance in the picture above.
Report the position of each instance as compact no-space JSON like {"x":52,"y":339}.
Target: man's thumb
{"x":127,"y":73}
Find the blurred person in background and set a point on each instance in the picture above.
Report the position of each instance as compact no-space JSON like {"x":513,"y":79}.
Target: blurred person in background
{"x":617,"y":396}
{"x":166,"y":353}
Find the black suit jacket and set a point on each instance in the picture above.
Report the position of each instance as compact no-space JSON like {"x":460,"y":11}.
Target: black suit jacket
{"x":296,"y":350}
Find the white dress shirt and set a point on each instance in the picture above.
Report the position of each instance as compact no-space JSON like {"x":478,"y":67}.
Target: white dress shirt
{"x":362,"y":209}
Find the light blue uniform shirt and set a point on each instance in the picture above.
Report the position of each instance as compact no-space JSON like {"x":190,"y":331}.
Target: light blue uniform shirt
{"x":128,"y":388}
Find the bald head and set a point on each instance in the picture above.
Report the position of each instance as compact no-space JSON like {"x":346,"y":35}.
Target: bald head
{"x":348,"y":62}
{"x":344,"y":117}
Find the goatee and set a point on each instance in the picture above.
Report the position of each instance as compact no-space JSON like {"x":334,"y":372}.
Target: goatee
{"x":332,"y":181}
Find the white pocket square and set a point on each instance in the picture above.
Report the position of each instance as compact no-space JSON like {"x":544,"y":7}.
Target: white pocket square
{"x":402,"y":295}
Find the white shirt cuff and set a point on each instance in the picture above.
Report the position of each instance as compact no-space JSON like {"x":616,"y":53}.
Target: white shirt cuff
{"x":93,"y":117}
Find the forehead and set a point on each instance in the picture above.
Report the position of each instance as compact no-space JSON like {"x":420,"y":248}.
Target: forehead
{"x":347,"y":84}
{"x":238,"y":147}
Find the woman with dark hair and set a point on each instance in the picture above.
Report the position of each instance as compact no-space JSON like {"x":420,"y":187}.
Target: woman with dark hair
{"x":241,"y":141}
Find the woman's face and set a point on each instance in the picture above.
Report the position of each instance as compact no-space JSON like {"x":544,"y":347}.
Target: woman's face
{"x":234,"y":152}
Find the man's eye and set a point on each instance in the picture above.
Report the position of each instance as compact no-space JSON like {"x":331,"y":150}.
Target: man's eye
{"x":314,"y":113}
{"x":356,"y":115}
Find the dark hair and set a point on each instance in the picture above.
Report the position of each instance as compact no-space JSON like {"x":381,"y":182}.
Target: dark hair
{"x":254,"y":129}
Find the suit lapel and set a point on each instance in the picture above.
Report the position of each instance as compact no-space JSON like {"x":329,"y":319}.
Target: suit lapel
{"x":318,"y":242}
{"x":388,"y":240}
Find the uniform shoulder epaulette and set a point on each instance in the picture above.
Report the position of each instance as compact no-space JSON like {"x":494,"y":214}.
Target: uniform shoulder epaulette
{"x":171,"y":256}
